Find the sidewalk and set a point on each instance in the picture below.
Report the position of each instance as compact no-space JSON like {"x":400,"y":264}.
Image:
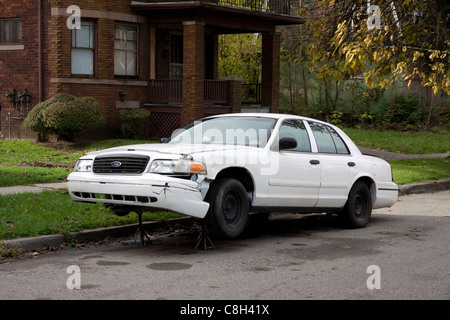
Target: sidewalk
{"x":390,"y":156}
{"x":35,"y":188}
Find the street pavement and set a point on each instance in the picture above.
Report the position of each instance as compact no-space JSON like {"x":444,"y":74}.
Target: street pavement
{"x":402,"y":255}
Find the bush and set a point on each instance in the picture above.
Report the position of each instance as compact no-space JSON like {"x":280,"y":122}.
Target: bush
{"x":132,"y":120}
{"x":35,"y":118}
{"x":400,"y":112}
{"x":65,"y":116}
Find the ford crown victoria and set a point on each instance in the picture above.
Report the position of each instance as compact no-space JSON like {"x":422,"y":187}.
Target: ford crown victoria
{"x":224,"y":168}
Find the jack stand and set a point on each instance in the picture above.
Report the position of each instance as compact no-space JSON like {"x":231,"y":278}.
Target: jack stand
{"x":141,"y":231}
{"x":204,"y":239}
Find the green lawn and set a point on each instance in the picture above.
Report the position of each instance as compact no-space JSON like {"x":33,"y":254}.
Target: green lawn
{"x":421,"y":142}
{"x":420,"y":170}
{"x":27,"y":162}
{"x":54,"y":212}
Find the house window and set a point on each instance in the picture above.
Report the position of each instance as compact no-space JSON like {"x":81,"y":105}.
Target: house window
{"x":83,"y":49}
{"x":126,"y":50}
{"x":10,"y":31}
{"x":176,"y":56}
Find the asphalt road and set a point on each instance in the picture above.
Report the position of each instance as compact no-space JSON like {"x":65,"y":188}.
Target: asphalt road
{"x":404,"y":253}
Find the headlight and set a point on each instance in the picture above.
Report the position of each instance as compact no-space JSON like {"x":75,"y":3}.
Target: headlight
{"x":162,"y":166}
{"x":183,"y":166}
{"x":84,"y":166}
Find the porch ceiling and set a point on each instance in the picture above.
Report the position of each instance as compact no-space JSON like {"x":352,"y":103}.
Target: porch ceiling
{"x":224,"y":19}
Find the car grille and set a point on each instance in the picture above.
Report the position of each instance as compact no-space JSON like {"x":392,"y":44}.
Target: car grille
{"x":120,"y":164}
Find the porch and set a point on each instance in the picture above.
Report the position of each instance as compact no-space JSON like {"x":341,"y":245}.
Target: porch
{"x":183,"y":85}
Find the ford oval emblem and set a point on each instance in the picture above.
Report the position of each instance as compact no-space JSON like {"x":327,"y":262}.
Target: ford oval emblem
{"x":116,"y":164}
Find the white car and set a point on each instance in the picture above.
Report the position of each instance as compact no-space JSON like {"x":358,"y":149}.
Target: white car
{"x":223,"y":168}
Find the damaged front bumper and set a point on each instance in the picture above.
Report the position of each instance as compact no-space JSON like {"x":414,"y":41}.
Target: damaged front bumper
{"x":152,"y":192}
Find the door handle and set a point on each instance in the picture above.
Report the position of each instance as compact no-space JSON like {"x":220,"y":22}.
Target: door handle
{"x":351,"y":164}
{"x":314,"y":162}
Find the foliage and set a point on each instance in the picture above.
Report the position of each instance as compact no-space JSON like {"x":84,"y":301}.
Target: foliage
{"x":65,"y":116}
{"x":412,"y":42}
{"x":401,"y":112}
{"x":35,"y":120}
{"x":68,"y":119}
{"x":440,"y":115}
{"x":132,"y":120}
{"x":240,"y":56}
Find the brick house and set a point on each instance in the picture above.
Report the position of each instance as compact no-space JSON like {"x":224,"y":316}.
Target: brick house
{"x":157,"y":54}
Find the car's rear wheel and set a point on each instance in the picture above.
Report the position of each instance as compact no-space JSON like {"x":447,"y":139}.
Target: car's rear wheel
{"x":358,"y":209}
{"x":229,"y":208}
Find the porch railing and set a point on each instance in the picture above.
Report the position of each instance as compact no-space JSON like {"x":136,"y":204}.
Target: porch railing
{"x":270,"y":6}
{"x":171,"y":91}
{"x":165,"y":91}
{"x":216,"y":92}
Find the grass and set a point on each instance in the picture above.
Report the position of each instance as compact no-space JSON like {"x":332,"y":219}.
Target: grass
{"x":420,"y":170}
{"x":54,"y":212}
{"x":14,"y":175}
{"x":26,"y":162}
{"x":421,"y":142}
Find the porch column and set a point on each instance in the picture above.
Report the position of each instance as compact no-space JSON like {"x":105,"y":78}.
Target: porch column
{"x":270,"y":91}
{"x":193,"y":71}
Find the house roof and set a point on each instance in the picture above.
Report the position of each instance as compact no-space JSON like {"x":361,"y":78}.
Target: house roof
{"x":225,"y":18}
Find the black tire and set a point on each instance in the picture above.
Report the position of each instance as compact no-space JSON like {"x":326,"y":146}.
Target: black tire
{"x":358,"y":209}
{"x":118,"y":210}
{"x":229,"y":206}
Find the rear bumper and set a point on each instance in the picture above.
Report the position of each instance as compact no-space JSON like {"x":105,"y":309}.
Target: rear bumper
{"x":387,"y":195}
{"x":150,"y":191}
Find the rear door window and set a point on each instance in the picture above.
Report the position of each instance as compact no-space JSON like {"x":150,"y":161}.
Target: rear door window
{"x":327,"y":139}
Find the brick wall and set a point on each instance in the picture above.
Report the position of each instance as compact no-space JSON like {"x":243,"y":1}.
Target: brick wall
{"x":104,"y":86}
{"x":193,"y":71}
{"x":19,"y":69}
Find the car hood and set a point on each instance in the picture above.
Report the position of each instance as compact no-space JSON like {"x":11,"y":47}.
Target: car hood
{"x":168,"y":149}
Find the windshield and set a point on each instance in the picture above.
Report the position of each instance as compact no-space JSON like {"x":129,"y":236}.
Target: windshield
{"x":241,"y":131}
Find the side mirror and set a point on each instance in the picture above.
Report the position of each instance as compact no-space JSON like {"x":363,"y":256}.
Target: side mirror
{"x":164,"y":140}
{"x":287,"y":143}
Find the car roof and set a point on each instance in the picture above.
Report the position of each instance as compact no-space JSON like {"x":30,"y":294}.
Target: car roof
{"x":353,"y":148}
{"x":265,"y":115}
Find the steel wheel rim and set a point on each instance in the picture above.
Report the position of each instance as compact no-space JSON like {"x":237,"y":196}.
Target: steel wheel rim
{"x":232,"y":208}
{"x":359,"y":206}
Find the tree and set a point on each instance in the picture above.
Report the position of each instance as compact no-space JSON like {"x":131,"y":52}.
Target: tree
{"x":406,"y":40}
{"x":240,"y":56}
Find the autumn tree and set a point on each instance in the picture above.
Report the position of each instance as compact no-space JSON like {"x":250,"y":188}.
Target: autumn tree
{"x":240,"y":56}
{"x":406,"y":40}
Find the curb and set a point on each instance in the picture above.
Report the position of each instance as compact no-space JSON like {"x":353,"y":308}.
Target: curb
{"x":427,"y":187}
{"x":34,"y":243}
{"x":31,"y":244}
